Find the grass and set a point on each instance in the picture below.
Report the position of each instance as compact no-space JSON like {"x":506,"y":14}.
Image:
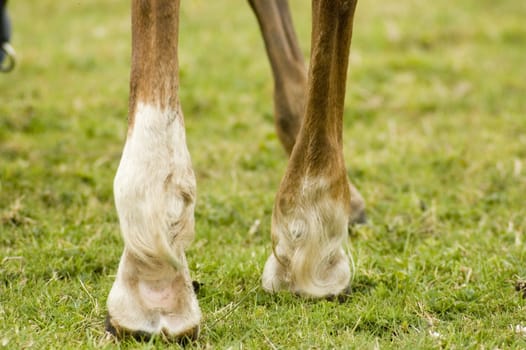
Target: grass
{"x":435,"y":138}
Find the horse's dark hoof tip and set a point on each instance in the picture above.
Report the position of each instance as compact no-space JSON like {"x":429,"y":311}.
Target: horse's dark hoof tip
{"x":184,"y":339}
{"x":124,"y":333}
{"x":197,"y":286}
{"x":341,"y":297}
{"x":520,"y":286}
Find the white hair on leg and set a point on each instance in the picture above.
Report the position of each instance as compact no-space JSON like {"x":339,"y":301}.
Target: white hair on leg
{"x":155,"y":198}
{"x":155,"y":187}
{"x":308,"y":256}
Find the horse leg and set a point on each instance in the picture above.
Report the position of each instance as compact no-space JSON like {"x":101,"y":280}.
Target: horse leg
{"x":290,"y":80}
{"x":313,"y":204}
{"x":154,"y":189}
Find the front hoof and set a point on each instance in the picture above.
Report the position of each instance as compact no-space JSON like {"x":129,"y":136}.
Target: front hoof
{"x":185,"y":337}
{"x":333,"y":283}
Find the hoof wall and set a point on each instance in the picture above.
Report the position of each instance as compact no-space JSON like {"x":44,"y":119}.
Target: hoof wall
{"x":184,"y":338}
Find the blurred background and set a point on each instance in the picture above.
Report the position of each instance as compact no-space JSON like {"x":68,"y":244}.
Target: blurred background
{"x":435,"y":138}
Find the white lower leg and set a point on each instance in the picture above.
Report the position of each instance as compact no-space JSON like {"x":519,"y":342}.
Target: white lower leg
{"x":155,"y":197}
{"x":165,"y":305}
{"x":308,"y":256}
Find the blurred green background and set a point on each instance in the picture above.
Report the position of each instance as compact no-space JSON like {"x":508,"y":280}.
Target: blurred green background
{"x":435,"y":138}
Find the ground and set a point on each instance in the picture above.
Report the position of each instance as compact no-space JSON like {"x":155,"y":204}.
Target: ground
{"x":435,"y":138}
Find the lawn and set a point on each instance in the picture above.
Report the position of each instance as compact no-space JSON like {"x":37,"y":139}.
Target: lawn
{"x":434,"y":137}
